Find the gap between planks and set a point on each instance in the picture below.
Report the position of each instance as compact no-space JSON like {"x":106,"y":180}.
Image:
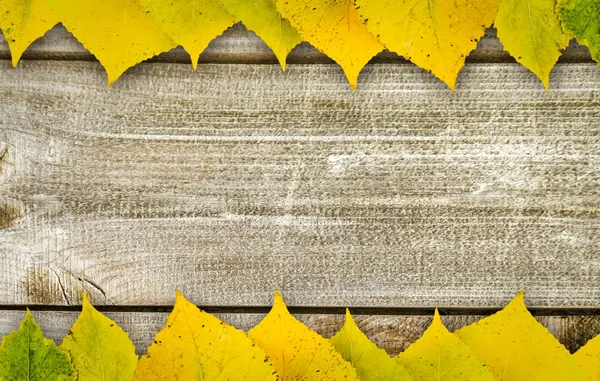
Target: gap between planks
{"x":372,"y":311}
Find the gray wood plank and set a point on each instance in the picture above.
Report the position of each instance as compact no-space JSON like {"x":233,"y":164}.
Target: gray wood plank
{"x":237,"y":180}
{"x":394,"y":333}
{"x":238,"y":44}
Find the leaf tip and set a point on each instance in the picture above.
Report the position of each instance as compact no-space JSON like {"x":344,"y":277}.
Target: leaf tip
{"x":15,"y":61}
{"x":437,"y":319}
{"x":544,"y":77}
{"x":547,"y":84}
{"x":450,"y":79}
{"x":350,"y":319}
{"x":278,"y":301}
{"x":181,"y":301}
{"x":179,"y":295}
{"x":113,"y":73}
{"x":28,"y":319}
{"x":85,"y":301}
{"x":16,"y":52}
{"x":194,"y":57}
{"x":351,"y":76}
{"x":518,"y":301}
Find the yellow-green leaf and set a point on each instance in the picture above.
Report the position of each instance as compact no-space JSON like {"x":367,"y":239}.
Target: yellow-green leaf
{"x":193,"y":24}
{"x":99,"y":348}
{"x":262,"y":17}
{"x":335,"y":29}
{"x":195,"y":345}
{"x":119,"y":33}
{"x":24,"y":21}
{"x":589,"y":357}
{"x":436,"y":35}
{"x":440,"y":355}
{"x":371,"y":363}
{"x":582,"y":18}
{"x":298,"y":352}
{"x":531,"y":32}
{"x":518,"y":348}
{"x":25,"y":355}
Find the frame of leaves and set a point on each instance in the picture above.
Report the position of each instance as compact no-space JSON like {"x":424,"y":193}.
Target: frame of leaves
{"x":195,"y":345}
{"x":436,"y":35}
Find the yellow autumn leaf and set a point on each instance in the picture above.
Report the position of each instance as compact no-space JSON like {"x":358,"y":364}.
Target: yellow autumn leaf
{"x":120,"y":34}
{"x":531,"y":32}
{"x":436,"y":35}
{"x":335,"y":29}
{"x":298,"y":352}
{"x":195,"y":345}
{"x":589,"y":357}
{"x":440,"y":355}
{"x":518,"y":348}
{"x":100,"y":350}
{"x":262,"y":17}
{"x":193,"y":24}
{"x":371,"y":363}
{"x":24,"y":21}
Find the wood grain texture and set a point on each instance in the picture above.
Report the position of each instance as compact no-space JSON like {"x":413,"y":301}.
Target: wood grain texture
{"x":239,"y":45}
{"x":392,"y":332}
{"x":237,"y":180}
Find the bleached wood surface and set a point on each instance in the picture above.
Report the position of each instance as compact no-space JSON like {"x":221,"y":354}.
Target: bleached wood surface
{"x":237,"y":44}
{"x":237,"y":180}
{"x":393,"y":333}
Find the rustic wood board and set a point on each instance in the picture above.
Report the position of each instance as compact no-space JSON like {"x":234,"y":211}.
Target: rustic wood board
{"x":391,"y":332}
{"x":237,"y":180}
{"x":239,"y":45}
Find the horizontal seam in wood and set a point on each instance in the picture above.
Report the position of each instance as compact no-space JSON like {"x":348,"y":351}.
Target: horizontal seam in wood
{"x":292,"y":61}
{"x":448,"y":311}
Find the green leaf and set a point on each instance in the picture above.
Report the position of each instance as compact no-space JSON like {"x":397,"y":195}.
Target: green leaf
{"x":582,"y":18}
{"x":25,"y":355}
{"x":371,"y":363}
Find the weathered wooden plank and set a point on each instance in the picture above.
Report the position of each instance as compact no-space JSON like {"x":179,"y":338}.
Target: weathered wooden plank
{"x":237,"y":180}
{"x":391,"y":332}
{"x":238,"y":44}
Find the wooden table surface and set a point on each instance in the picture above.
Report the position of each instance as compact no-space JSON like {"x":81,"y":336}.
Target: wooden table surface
{"x":236,"y":180}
